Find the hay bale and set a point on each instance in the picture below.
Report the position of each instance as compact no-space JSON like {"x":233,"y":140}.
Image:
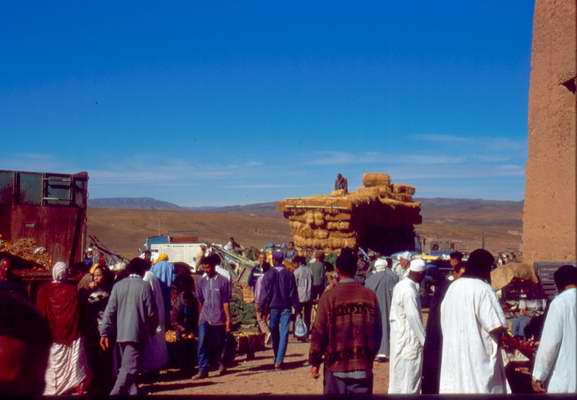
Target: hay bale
{"x":305,"y":231}
{"x":296,"y":225}
{"x":350,"y":243}
{"x":300,"y":241}
{"x":405,"y":189}
{"x":404,"y":197}
{"x":319,"y":223}
{"x":384,"y":191}
{"x":367,"y":192}
{"x":340,"y":226}
{"x":320,"y":234}
{"x":372,"y":179}
{"x":336,"y":243}
{"x":338,"y":217}
{"x":342,"y":234}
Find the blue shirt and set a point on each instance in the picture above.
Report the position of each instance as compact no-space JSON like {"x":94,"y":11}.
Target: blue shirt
{"x":213,"y":293}
{"x":164,"y":271}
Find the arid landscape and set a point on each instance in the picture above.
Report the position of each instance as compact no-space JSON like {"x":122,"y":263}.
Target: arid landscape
{"x":461,"y":221}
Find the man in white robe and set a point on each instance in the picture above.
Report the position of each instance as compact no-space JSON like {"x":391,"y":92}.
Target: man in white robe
{"x":401,"y":267}
{"x":556,"y":359}
{"x":472,"y":322}
{"x":407,"y":333}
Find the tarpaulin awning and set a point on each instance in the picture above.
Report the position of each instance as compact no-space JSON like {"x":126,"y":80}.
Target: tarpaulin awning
{"x":502,"y":276}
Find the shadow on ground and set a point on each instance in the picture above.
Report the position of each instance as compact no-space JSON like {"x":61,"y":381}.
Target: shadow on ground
{"x":175,"y":386}
{"x":269,"y":367}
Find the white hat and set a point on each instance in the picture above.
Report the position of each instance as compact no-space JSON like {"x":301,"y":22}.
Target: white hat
{"x":417,"y":265}
{"x":406,"y":255}
{"x":381,"y":264}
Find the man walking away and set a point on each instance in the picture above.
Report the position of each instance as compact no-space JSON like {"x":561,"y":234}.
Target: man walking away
{"x":279,"y":293}
{"x":131,"y":313}
{"x":319,"y":275}
{"x":473,"y":323}
{"x":261,"y":314}
{"x":346,"y":334}
{"x":213,"y":295}
{"x":381,"y":283}
{"x":434,"y":338}
{"x":556,"y":360}
{"x":407,"y":333}
{"x":304,"y":281}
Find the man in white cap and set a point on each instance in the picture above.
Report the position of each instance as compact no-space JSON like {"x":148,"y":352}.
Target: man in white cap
{"x":407,"y":333}
{"x":381,"y":283}
{"x":401,"y":268}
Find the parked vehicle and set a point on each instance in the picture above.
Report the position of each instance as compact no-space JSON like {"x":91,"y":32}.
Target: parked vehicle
{"x":48,"y":209}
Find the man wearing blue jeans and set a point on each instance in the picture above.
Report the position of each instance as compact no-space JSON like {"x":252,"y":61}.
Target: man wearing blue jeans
{"x":279,"y":294}
{"x":213,"y":295}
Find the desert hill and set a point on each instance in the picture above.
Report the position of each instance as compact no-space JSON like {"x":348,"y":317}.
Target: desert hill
{"x":463,"y":221}
{"x":145,"y":203}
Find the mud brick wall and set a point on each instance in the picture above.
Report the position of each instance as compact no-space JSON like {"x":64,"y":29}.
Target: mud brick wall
{"x":549,"y":217}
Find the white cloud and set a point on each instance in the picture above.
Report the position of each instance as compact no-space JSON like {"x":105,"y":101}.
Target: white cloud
{"x":33,"y":162}
{"x":466,"y":171}
{"x":249,"y":186}
{"x":441,"y":138}
{"x":170,"y":172}
{"x":345,"y":158}
{"x":495,"y":143}
{"x":326,"y":158}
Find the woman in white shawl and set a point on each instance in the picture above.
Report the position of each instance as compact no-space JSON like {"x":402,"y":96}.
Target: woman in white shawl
{"x":58,"y":302}
{"x":155,"y":354}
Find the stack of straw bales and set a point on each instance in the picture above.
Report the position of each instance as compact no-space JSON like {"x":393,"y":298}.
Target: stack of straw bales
{"x":335,"y":221}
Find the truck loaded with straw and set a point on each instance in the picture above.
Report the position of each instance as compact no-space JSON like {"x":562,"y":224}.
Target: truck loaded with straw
{"x":380,"y":215}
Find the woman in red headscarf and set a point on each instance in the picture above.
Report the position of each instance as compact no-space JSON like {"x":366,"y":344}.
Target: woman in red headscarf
{"x":58,"y":302}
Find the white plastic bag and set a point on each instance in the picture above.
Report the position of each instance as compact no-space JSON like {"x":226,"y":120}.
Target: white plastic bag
{"x":301,"y":330}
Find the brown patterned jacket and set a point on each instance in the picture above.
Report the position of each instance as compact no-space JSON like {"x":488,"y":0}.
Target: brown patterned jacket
{"x":347,"y":331}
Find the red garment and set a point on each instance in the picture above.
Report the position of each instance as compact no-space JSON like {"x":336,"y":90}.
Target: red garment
{"x":58,"y":303}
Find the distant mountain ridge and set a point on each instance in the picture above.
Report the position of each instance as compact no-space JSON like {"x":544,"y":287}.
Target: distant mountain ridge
{"x":139,"y":203}
{"x":431,"y":207}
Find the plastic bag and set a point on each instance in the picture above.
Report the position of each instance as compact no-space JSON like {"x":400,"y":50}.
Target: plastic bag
{"x":301,"y":330}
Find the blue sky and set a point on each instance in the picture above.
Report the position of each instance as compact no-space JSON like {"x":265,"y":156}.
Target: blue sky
{"x":232,"y":102}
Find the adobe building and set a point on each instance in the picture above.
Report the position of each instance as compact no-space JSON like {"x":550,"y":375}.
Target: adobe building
{"x":549,"y":215}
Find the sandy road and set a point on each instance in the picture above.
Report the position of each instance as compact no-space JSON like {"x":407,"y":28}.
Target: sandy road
{"x":258,"y":377}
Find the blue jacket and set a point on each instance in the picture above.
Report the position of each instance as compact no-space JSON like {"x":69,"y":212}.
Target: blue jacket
{"x":279,"y":290}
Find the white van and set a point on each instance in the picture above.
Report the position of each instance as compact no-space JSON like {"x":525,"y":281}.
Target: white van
{"x":189,"y":253}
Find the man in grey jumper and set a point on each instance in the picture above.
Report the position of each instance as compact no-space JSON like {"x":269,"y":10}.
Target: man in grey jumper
{"x":131,"y":313}
{"x":318,"y":269}
{"x":304,"y":280}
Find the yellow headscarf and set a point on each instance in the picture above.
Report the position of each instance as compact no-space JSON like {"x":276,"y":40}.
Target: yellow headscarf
{"x":93,"y":268}
{"x":162,"y":257}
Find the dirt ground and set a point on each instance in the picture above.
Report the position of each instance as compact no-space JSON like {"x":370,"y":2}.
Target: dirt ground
{"x":257,"y":377}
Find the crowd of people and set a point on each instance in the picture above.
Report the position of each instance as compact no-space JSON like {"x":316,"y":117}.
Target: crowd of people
{"x":105,"y":332}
